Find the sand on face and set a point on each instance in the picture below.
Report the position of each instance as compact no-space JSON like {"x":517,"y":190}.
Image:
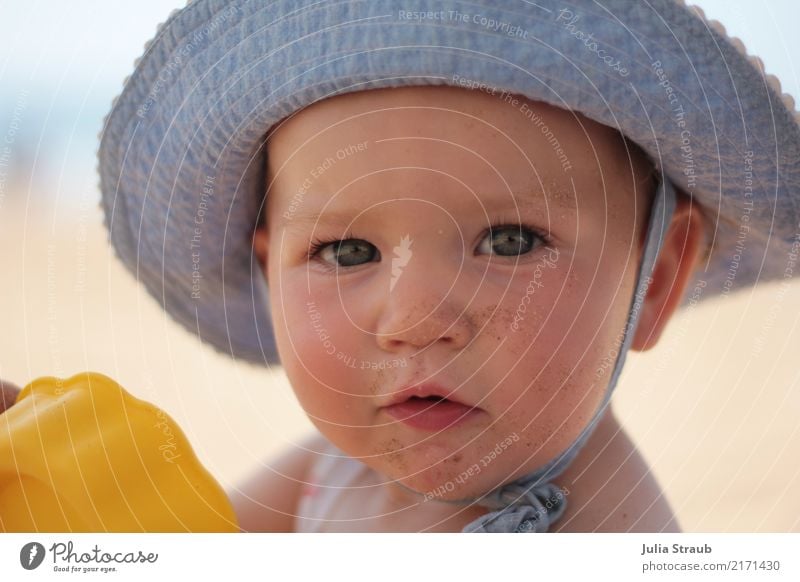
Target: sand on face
{"x":713,"y":407}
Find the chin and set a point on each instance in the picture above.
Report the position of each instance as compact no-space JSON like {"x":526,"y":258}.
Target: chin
{"x":449,"y":477}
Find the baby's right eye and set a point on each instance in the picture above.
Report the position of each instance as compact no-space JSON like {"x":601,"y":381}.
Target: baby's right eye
{"x":342,"y":253}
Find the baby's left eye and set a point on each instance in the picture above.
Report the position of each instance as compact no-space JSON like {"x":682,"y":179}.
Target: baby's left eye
{"x":510,"y":240}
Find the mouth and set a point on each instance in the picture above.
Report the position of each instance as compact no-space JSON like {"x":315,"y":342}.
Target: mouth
{"x":426,"y":407}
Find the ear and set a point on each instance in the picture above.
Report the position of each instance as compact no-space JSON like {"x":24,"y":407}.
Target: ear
{"x":260,"y":247}
{"x":673,"y":269}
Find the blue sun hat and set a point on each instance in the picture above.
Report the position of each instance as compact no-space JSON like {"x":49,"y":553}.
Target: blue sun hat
{"x":182,"y":156}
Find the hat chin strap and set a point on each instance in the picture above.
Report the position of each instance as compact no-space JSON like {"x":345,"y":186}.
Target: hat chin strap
{"x":531,"y":503}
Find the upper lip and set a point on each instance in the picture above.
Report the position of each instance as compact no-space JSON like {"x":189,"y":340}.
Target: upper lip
{"x":423,"y":391}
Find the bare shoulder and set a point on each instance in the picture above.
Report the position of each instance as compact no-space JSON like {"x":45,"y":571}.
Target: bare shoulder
{"x":267,"y":499}
{"x":613,"y":488}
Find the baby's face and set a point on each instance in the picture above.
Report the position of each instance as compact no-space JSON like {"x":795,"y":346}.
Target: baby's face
{"x":522,"y":323}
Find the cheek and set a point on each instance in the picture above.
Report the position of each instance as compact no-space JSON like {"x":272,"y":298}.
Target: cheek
{"x":553,"y":369}
{"x":320,"y":350}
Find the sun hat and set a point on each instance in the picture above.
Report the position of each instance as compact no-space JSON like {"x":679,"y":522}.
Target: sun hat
{"x":182,"y":157}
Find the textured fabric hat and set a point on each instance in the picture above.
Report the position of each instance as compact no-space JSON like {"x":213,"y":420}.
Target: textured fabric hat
{"x":181,"y":157}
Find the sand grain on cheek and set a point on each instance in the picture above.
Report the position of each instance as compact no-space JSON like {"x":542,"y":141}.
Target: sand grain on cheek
{"x":492,"y":321}
{"x":381,"y":379}
{"x":522,"y":339}
{"x":392,"y":452}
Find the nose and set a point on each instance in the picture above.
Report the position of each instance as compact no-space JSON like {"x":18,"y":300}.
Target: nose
{"x":425,"y":306}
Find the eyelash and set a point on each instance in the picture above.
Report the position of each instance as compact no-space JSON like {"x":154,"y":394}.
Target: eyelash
{"x":512,"y":221}
{"x":317,"y":244}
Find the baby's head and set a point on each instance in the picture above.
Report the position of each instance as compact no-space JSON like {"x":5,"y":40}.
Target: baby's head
{"x":491,"y":246}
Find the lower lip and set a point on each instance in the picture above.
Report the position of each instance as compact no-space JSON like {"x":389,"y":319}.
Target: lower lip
{"x":432,"y":415}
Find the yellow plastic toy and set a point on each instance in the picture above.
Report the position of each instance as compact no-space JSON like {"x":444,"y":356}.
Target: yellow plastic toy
{"x":84,"y":455}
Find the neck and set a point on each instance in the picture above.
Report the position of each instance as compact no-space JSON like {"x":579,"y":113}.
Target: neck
{"x":431,"y":515}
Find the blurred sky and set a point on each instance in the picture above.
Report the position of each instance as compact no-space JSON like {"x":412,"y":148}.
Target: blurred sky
{"x":64,"y":62}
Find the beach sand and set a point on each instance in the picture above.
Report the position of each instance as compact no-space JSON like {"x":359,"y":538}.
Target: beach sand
{"x":714,"y":407}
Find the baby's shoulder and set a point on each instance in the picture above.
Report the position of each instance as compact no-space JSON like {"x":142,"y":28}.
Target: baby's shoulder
{"x":613,"y":489}
{"x":267,"y":500}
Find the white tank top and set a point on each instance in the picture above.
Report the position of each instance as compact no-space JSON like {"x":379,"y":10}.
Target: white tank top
{"x":338,"y":472}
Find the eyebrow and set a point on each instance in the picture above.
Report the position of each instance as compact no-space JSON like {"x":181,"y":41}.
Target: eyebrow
{"x":557,"y":197}
{"x":335,"y":217}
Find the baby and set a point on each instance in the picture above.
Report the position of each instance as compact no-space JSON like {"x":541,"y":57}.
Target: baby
{"x":488,"y":275}
{"x":459,"y":239}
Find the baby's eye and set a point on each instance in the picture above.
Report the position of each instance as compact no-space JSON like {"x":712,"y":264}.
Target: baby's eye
{"x":506,"y":240}
{"x":509,"y":240}
{"x":349,"y":252}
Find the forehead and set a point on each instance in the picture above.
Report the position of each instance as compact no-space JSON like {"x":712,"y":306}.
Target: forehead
{"x":445,"y":143}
